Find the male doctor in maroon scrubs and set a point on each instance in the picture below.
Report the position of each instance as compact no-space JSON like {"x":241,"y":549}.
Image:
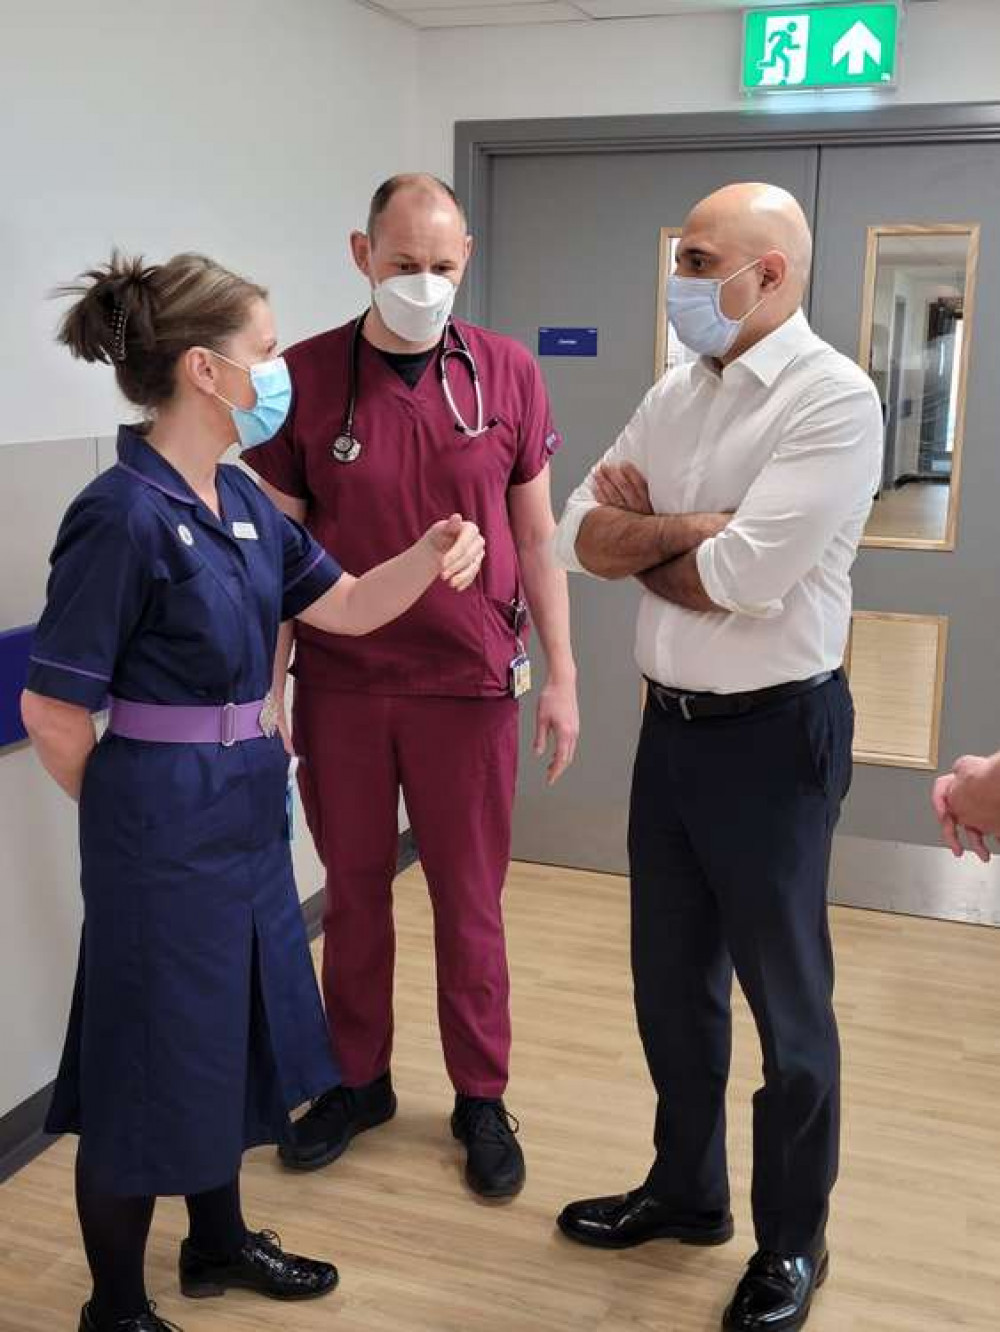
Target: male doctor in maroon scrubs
{"x":399,"y":416}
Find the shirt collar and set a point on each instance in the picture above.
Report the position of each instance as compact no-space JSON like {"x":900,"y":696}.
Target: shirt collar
{"x":138,"y":457}
{"x":769,"y":357}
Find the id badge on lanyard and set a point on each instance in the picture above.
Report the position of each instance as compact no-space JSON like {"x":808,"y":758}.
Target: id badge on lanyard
{"x":520,"y":667}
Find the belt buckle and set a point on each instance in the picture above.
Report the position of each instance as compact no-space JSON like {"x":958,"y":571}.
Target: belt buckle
{"x":682,"y":703}
{"x":228,"y":725}
{"x":268,"y":719}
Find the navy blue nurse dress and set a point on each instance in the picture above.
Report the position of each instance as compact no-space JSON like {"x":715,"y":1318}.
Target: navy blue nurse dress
{"x":196,"y":1023}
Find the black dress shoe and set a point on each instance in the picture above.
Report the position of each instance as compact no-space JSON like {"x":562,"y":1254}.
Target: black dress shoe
{"x":776,"y":1293}
{"x":628,"y":1219}
{"x":495,"y":1163}
{"x":326,"y":1129}
{"x":261,"y":1266}
{"x":145,"y":1322}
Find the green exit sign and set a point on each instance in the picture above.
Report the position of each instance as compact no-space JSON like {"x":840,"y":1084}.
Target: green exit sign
{"x":820,"y":46}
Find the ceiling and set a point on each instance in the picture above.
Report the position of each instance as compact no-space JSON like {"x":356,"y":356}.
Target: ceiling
{"x":506,"y":13}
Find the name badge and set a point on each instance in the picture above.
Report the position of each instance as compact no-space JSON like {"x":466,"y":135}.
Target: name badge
{"x":520,"y":675}
{"x":244,"y":531}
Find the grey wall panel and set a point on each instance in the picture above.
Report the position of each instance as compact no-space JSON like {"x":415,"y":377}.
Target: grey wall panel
{"x":106,"y":453}
{"x":37,"y":482}
{"x":40,"y":907}
{"x":40,"y":913}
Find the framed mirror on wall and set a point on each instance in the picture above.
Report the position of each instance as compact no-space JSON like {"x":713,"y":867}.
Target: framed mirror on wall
{"x":916,"y":326}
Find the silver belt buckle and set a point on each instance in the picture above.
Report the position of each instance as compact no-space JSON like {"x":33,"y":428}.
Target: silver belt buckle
{"x":228,"y":725}
{"x":682,"y":703}
{"x":268,"y":719}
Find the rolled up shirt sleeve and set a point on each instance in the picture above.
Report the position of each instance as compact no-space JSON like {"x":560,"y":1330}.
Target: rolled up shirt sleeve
{"x":824,"y":471}
{"x":630,"y":446}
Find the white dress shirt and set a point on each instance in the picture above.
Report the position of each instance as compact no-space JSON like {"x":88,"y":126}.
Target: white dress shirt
{"x":790,"y":437}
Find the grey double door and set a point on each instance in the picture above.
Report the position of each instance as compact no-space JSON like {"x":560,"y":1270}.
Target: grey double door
{"x":573,"y":240}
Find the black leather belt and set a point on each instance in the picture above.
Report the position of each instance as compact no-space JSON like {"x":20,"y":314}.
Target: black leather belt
{"x":696,"y":707}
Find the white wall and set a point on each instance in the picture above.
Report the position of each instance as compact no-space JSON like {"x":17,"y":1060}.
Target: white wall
{"x":244,"y":128}
{"x":667,"y":65}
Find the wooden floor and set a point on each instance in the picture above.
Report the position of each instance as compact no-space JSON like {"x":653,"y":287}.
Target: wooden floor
{"x":915,"y":1235}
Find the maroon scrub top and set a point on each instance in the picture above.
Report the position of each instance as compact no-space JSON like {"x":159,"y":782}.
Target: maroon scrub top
{"x":415,"y":467}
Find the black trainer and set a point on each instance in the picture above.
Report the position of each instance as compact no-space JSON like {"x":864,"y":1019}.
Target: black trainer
{"x":145,"y":1322}
{"x":495,"y":1165}
{"x":326,"y":1129}
{"x":261,"y":1266}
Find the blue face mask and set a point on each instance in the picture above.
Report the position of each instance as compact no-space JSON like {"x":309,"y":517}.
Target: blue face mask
{"x":273,"y":386}
{"x":694,"y":308}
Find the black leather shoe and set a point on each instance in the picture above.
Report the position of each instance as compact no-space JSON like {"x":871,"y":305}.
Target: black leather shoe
{"x":326,"y":1129}
{"x":260,"y":1266}
{"x":628,"y":1219}
{"x":146,"y":1322}
{"x":776,"y":1293}
{"x":495,"y":1163}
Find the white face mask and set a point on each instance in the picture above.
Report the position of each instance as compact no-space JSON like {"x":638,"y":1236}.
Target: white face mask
{"x":694,"y":306}
{"x":415,"y":306}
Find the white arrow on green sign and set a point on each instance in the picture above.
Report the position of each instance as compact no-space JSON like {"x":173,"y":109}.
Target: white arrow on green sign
{"x":820,"y":46}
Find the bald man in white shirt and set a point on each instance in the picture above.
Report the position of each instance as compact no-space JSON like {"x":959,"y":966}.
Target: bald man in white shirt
{"x":737,"y":495}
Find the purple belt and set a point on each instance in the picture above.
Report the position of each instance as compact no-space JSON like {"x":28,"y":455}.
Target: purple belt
{"x":166,"y":724}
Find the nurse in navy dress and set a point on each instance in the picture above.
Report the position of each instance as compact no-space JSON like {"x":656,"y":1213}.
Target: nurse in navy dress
{"x":196,"y":1024}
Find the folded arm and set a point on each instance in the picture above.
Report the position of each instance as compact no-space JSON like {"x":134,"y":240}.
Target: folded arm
{"x":822,"y":473}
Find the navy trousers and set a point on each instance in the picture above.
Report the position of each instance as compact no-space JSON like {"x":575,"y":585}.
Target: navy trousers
{"x":729,"y":842}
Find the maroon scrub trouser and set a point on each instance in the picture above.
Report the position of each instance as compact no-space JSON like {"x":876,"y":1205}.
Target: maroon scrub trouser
{"x":455,"y":760}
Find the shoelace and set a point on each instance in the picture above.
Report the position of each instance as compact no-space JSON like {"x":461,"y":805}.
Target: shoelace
{"x":488,"y":1119}
{"x":270,"y":1242}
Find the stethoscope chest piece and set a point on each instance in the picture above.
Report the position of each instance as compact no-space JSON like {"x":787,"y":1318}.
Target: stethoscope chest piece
{"x":346,"y":449}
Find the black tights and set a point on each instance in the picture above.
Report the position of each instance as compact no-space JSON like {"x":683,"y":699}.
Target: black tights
{"x":115,"y":1231}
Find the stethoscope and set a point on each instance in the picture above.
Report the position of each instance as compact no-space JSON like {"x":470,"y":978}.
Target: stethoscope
{"x":346,"y":448}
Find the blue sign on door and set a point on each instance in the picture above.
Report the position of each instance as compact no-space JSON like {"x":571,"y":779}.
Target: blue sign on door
{"x":15,"y":646}
{"x":567,"y":342}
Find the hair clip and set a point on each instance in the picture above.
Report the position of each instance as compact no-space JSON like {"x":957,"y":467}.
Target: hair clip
{"x":118,"y":334}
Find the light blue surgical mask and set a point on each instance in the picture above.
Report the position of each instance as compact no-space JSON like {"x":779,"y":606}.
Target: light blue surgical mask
{"x":694,"y":307}
{"x":273,"y":386}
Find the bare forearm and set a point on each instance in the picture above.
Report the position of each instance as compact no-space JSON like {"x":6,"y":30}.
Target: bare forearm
{"x":357,"y":606}
{"x":547,"y":594}
{"x":615,"y":543}
{"x":282,"y":658}
{"x":63,"y":737}
{"x":679,"y":582}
